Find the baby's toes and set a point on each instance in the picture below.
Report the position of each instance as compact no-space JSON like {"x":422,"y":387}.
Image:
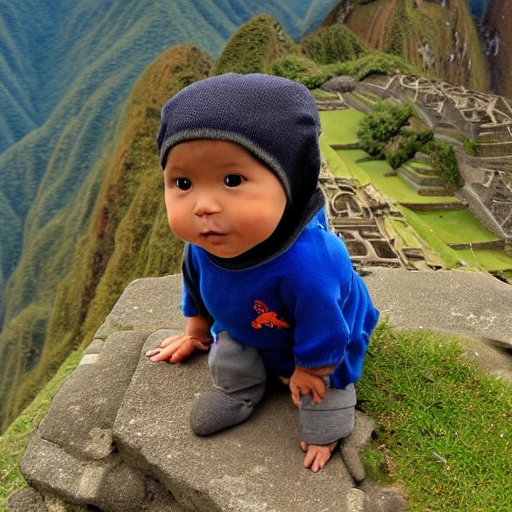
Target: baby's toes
{"x":317,"y":456}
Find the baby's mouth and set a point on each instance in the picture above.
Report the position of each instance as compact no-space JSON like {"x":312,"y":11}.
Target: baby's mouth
{"x":212,"y":234}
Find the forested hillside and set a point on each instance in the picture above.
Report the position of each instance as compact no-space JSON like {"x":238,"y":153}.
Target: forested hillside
{"x":66,"y":69}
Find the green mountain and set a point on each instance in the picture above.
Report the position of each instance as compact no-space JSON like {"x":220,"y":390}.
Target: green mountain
{"x":66,"y":69}
{"x":440,"y":37}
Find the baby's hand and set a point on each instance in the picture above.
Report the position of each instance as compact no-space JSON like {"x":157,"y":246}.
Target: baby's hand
{"x":303,"y":382}
{"x":177,"y":348}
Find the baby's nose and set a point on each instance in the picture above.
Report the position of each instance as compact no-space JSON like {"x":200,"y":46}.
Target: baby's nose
{"x":206,"y":204}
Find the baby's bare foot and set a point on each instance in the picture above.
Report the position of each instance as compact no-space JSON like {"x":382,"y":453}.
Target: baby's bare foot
{"x":317,"y":456}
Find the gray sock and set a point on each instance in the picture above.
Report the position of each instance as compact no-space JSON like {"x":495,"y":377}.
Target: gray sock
{"x":330,"y":420}
{"x":216,"y":410}
{"x":239,"y":378}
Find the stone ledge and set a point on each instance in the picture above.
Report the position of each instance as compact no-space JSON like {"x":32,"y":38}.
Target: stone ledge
{"x":88,"y":401}
{"x":117,"y":435}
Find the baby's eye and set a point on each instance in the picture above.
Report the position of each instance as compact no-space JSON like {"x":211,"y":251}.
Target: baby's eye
{"x":182,"y":183}
{"x":233,"y":180}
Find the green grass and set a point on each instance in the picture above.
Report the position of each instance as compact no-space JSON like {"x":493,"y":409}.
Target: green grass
{"x":420,"y":165}
{"x":378,"y":172}
{"x":15,"y":438}
{"x":492,"y":261}
{"x":457,"y":226}
{"x":340,"y":126}
{"x":397,"y":226}
{"x":443,"y":426}
{"x":336,"y":165}
{"x":407,"y":234}
{"x":350,"y":160}
{"x":461,"y":226}
{"x":320,"y":94}
{"x":449,"y":256}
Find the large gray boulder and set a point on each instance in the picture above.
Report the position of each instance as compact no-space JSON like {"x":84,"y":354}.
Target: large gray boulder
{"x":117,"y":434}
{"x":473,"y":305}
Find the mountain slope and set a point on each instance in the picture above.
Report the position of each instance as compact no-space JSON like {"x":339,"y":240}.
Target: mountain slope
{"x":253,"y":47}
{"x":441,"y":40}
{"x":127,"y":235}
{"x":22,"y":60}
{"x":498,"y":38}
{"x":70,"y":76}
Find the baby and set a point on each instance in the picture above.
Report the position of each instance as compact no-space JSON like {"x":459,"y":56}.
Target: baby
{"x":268,"y":290}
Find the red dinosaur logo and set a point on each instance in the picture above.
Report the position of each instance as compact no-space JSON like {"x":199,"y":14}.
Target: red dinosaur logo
{"x":267,"y":317}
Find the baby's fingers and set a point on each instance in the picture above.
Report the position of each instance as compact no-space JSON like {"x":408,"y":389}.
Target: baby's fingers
{"x":318,"y":390}
{"x":296,"y":392}
{"x":162,"y":353}
{"x":170,"y":340}
{"x":181,"y":352}
{"x":159,"y":354}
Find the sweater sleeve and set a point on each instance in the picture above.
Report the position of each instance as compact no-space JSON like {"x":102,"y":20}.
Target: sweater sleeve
{"x":331,"y":307}
{"x":192,"y":303}
{"x":321,"y":331}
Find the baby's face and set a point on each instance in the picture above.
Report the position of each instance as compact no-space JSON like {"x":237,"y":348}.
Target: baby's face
{"x":219,"y":197}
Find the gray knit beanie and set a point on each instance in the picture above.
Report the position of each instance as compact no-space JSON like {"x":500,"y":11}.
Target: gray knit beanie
{"x":276,"y":119}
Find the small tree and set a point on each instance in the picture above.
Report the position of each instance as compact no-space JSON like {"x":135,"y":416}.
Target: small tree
{"x":377,"y":128}
{"x":444,"y":162}
{"x":404,"y":146}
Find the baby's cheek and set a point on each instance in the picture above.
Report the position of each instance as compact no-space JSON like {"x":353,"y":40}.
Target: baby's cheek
{"x":266,"y":221}
{"x":177,"y":223}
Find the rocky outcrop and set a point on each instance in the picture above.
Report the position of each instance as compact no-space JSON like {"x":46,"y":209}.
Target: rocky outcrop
{"x":117,"y":435}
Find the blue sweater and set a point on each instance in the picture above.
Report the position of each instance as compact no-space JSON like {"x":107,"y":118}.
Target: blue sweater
{"x":306,"y":307}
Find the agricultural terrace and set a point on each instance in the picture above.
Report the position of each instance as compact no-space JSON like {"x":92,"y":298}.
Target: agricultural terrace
{"x":439,"y":226}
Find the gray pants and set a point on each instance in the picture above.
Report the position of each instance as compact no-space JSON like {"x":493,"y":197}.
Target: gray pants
{"x":239,"y":379}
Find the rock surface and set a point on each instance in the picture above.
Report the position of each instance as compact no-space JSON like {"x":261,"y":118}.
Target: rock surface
{"x":117,"y":435}
{"x":474,"y":305}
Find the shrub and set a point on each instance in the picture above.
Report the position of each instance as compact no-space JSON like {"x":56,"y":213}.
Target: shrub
{"x":406,"y":146}
{"x":471,"y":147}
{"x":445,"y":163}
{"x":386,"y":121}
{"x":371,"y":63}
{"x":300,"y":69}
